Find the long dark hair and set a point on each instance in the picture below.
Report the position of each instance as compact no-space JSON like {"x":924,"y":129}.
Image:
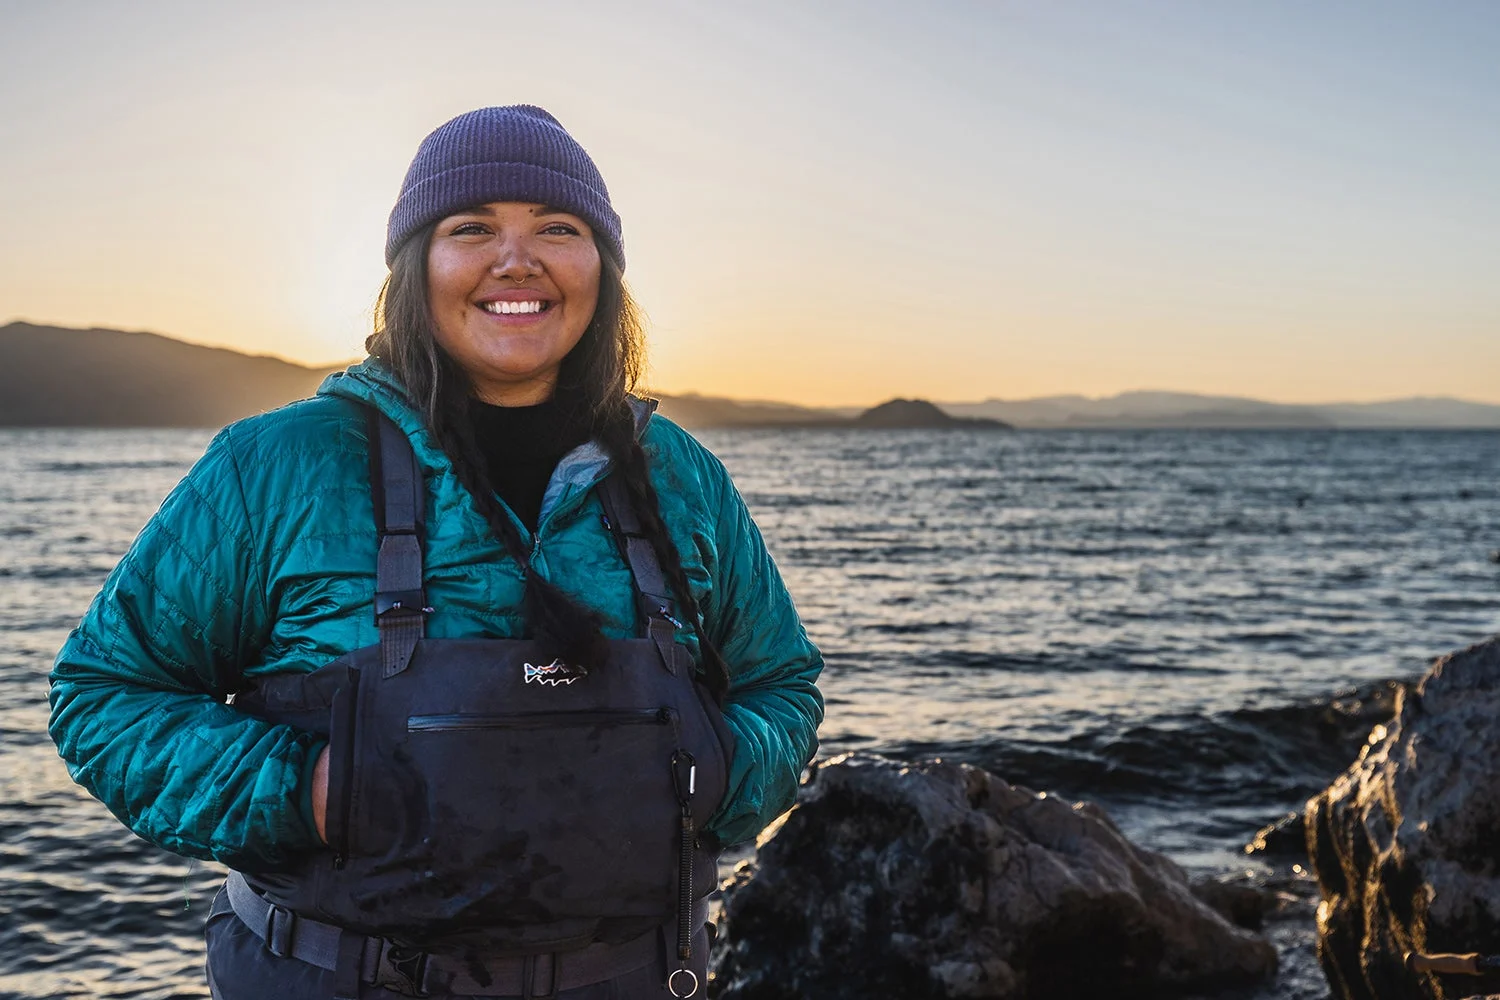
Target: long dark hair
{"x":596,"y":376}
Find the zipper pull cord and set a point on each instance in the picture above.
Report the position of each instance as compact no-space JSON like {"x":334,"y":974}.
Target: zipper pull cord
{"x":685,"y":781}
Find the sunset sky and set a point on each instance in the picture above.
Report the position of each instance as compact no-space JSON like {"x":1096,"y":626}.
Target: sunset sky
{"x":823,"y":202}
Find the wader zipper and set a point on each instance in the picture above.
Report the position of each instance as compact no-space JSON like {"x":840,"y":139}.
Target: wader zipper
{"x":685,"y":781}
{"x":539,"y":720}
{"x":341,"y":736}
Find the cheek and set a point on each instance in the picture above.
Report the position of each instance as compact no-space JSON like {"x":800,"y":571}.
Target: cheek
{"x":589,"y":299}
{"x":451,"y":278}
{"x":447,"y":303}
{"x":442,"y":290}
{"x":584,"y":286}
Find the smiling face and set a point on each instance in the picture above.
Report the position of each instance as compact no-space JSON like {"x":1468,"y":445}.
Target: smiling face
{"x":512,"y":287}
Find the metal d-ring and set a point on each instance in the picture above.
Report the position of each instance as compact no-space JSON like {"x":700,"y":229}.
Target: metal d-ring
{"x":672,"y":983}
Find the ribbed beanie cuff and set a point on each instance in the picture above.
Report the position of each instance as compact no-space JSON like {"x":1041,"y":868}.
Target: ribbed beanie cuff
{"x":515,"y":153}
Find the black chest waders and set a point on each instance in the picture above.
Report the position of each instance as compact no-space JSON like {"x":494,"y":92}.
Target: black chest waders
{"x":499,"y":822}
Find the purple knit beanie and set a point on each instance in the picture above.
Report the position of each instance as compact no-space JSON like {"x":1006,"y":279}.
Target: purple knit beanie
{"x":514,"y":153}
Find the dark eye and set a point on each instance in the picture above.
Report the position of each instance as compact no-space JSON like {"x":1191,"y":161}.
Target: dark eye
{"x":468,"y":229}
{"x":560,"y":229}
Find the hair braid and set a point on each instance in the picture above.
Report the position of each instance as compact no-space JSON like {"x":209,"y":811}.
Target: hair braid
{"x":564,"y":627}
{"x":619,"y":438}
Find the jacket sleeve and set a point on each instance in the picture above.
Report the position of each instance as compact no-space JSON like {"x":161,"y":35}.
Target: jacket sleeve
{"x":773,"y":706}
{"x":136,"y":691}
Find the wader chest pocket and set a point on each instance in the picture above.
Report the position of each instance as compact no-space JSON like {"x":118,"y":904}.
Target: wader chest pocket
{"x":521,"y":817}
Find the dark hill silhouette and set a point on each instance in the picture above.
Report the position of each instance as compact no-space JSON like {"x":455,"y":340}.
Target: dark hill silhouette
{"x":917,"y":414}
{"x":703,"y":412}
{"x":57,"y":377}
{"x":694,"y":411}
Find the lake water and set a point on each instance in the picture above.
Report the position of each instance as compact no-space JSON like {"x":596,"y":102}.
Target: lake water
{"x":1160,"y":621}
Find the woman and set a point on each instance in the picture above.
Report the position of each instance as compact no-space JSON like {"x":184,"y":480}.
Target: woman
{"x":469,"y":664}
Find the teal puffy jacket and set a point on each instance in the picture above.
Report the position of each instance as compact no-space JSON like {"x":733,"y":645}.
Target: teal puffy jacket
{"x":262,"y":560}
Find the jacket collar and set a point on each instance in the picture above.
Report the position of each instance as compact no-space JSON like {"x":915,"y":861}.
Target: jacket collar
{"x":373,"y":384}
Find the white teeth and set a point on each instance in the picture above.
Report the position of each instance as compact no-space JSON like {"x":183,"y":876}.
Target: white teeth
{"x":506,"y":308}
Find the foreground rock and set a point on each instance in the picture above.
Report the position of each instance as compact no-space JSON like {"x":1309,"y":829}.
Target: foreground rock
{"x":1283,"y":840}
{"x":1406,"y":843}
{"x":941,"y":880}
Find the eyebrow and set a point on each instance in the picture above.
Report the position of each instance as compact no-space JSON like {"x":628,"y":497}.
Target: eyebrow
{"x":486,"y":210}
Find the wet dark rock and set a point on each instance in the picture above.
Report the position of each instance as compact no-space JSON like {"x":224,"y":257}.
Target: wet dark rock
{"x":1352,"y":714}
{"x":911,"y":881}
{"x":1242,"y":903}
{"x":1283,"y":840}
{"x":1406,"y":843}
{"x":1252,"y":899}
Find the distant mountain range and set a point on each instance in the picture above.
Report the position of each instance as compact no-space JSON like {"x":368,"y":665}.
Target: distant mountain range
{"x":1163,"y":410}
{"x":54,"y":377}
{"x":1180,"y":409}
{"x":60,"y":377}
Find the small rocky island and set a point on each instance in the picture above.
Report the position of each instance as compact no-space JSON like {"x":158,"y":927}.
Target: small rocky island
{"x":919,"y":414}
{"x":892,"y":415}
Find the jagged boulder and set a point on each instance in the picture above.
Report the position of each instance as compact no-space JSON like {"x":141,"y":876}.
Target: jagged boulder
{"x":1406,"y":843}
{"x":910,"y":881}
{"x":1285,"y":839}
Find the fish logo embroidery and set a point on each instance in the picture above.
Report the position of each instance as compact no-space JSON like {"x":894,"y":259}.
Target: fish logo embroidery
{"x":555,"y":673}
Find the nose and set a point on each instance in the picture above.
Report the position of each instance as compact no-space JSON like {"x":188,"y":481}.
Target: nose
{"x":514,"y":259}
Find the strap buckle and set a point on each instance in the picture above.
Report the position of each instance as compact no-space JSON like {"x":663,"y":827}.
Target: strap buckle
{"x":281,"y":924}
{"x":409,"y":601}
{"x":529,"y":977}
{"x":401,"y":968}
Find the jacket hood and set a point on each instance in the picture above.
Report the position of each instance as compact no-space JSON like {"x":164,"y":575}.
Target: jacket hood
{"x":373,"y":384}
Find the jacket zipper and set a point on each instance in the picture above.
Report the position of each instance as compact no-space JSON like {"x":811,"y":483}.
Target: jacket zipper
{"x":539,"y":720}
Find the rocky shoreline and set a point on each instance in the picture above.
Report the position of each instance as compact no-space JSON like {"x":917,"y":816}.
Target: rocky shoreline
{"x":933,"y":879}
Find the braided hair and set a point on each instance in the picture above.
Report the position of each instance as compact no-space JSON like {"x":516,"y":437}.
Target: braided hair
{"x":596,"y":376}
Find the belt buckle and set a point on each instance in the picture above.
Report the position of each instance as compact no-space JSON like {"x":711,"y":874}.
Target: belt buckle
{"x":280,"y":923}
{"x":401,"y":968}
{"x":528,"y":977}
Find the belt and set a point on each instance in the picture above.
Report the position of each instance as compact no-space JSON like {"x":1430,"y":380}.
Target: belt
{"x":410,"y":971}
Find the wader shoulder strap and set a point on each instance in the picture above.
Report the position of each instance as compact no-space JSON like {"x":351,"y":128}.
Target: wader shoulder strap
{"x":400,"y":602}
{"x":652,"y":593}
